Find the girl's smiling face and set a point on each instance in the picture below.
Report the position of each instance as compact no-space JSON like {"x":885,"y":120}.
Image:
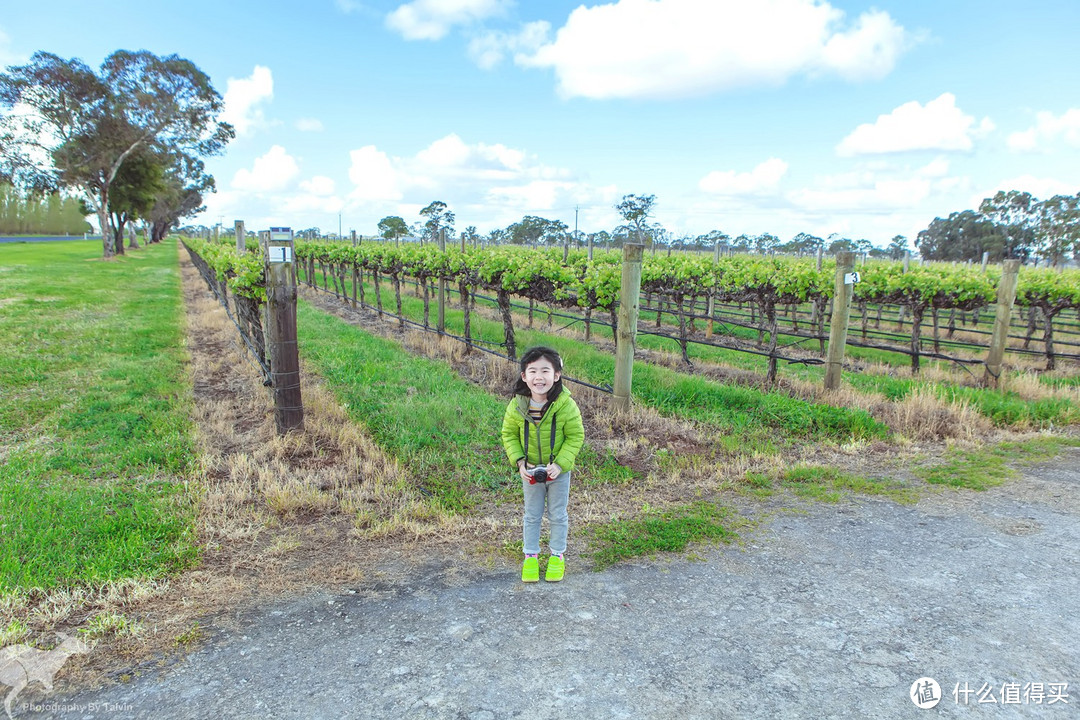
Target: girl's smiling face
{"x":540,"y":375}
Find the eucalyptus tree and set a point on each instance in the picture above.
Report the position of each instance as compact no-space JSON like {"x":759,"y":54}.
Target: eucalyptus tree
{"x":437,"y":217}
{"x":67,"y":125}
{"x":635,"y":210}
{"x":393,"y":228}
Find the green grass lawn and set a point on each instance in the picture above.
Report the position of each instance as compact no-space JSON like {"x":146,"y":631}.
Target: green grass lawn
{"x":95,"y":429}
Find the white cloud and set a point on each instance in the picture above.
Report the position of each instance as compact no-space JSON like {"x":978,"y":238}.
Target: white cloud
{"x":489,"y":49}
{"x":433,"y":19}
{"x":373,"y":175}
{"x":762,"y":179}
{"x":676,"y":48}
{"x":309,"y":125}
{"x":871,"y":190}
{"x":489,"y":182}
{"x":938,"y":125}
{"x":319,"y":185}
{"x":273,"y":171}
{"x":1049,"y":128}
{"x":243,"y":97}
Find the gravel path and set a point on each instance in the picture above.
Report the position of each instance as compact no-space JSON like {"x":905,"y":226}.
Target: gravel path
{"x":830,"y":613}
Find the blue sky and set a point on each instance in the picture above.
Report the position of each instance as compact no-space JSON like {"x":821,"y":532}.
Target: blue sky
{"x":751,"y":116}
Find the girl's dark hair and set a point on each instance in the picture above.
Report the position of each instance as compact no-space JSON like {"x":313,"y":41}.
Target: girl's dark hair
{"x":532,"y":355}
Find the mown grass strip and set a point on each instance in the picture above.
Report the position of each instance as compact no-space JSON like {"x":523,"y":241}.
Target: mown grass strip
{"x":655,"y":532}
{"x":830,"y":484}
{"x":745,"y":418}
{"x":989,"y":467}
{"x":95,"y":425}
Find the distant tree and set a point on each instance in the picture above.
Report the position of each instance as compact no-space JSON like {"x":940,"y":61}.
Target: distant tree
{"x":92,"y":123}
{"x":1057,"y":226}
{"x":802,"y":243}
{"x":838,"y":243}
{"x":184,"y":189}
{"x":437,"y":217}
{"x":1015,"y":215}
{"x":393,"y":227}
{"x":710,"y":239}
{"x":963,"y":236}
{"x":742,"y":243}
{"x":135,"y":191}
{"x":496,"y":236}
{"x":765,"y":242}
{"x":897,"y":248}
{"x":533,"y":230}
{"x":471,"y":236}
{"x":635,"y":210}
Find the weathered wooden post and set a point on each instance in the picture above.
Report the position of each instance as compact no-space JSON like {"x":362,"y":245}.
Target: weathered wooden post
{"x":280,"y":331}
{"x":820,"y":256}
{"x":241,"y":237}
{"x":441,"y":323}
{"x":1006,"y":295}
{"x":985,"y":259}
{"x":352,"y":233}
{"x":626,"y":334}
{"x":844,"y":288}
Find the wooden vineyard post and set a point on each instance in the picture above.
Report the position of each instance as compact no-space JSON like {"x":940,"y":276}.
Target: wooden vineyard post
{"x":845,"y":285}
{"x":280,"y":331}
{"x":712,"y":292}
{"x":241,"y":237}
{"x":1006,"y":295}
{"x":441,"y":324}
{"x":353,"y":234}
{"x":626,"y":334}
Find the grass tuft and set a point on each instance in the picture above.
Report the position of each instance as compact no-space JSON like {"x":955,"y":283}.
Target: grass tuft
{"x":656,"y":532}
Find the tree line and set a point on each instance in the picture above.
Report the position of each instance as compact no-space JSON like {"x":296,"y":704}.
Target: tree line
{"x":1010,"y":224}
{"x":635,"y":211}
{"x":40,"y":213}
{"x":127,"y":139}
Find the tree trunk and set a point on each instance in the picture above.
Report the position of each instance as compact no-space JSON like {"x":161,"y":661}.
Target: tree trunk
{"x":770,"y":312}
{"x":916,"y":339}
{"x":503,"y":298}
{"x":1032,"y":312}
{"x":107,"y":245}
{"x":397,"y":299}
{"x":465,"y":298}
{"x":682,"y":329}
{"x":378,"y":294}
{"x":1048,"y":336}
{"x":427,"y":303}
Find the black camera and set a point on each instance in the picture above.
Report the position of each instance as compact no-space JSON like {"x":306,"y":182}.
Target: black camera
{"x":538,"y":474}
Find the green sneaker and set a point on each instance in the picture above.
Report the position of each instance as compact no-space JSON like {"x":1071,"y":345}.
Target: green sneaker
{"x":530,"y":570}
{"x":555,"y":569}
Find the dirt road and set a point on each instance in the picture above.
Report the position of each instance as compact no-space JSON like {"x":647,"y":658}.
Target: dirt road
{"x":829,"y":613}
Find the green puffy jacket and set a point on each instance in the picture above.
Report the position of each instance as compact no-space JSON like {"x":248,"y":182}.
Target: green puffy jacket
{"x":569,"y":431}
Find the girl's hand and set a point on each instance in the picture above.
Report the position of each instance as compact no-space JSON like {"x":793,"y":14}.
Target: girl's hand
{"x":553,"y":470}
{"x":521,"y":470}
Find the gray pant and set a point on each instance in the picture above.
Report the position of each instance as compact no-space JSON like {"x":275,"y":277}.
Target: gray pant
{"x":557,"y":494}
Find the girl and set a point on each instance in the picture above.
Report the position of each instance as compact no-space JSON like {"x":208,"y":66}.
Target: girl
{"x":542,"y":433}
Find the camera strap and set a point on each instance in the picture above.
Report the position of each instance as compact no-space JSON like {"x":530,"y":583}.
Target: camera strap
{"x":539,"y":447}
